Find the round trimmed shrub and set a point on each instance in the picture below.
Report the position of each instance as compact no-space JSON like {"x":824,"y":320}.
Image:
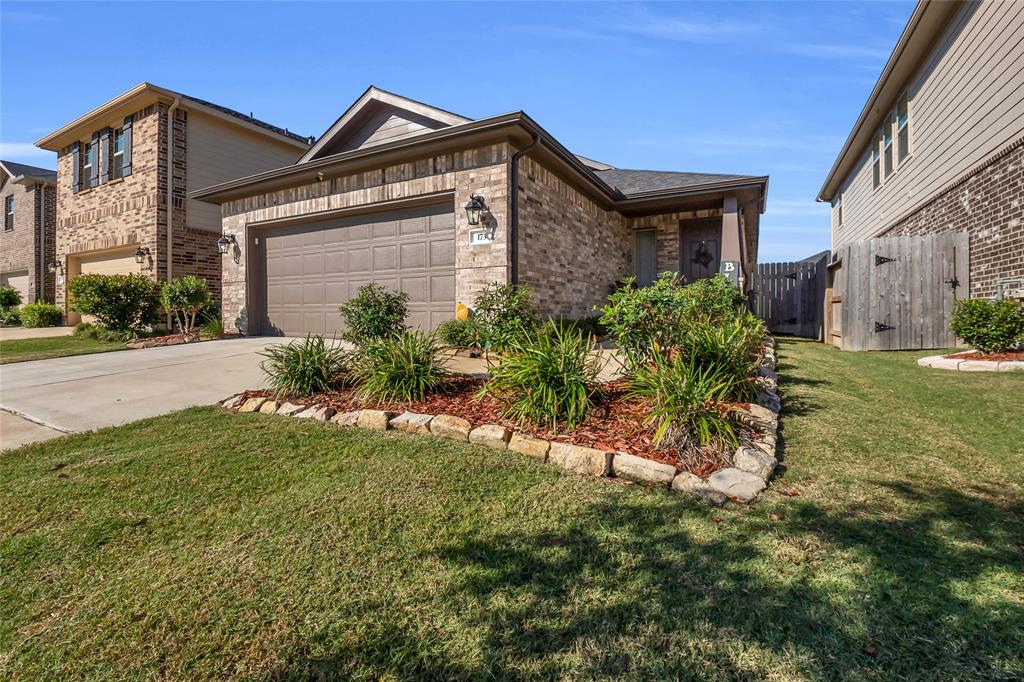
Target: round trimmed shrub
{"x":40,"y":315}
{"x":121,"y":303}
{"x":9,"y":297}
{"x":375,"y":312}
{"x":989,"y":326}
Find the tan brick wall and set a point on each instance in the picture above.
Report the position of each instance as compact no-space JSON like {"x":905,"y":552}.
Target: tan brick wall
{"x":481,"y":171}
{"x":571,"y":251}
{"x":988,"y":204}
{"x":19,"y":247}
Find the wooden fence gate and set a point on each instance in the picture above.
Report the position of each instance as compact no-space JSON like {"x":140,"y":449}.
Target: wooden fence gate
{"x":896,"y":293}
{"x":789,"y":296}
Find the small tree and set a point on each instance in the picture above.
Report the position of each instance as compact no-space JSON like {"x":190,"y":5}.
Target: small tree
{"x":504,"y":313}
{"x":121,"y":303}
{"x":375,"y":312}
{"x":184,"y":298}
{"x":9,"y":298}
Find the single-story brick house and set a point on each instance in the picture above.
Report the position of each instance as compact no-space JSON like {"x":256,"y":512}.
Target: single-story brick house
{"x":382,"y":196}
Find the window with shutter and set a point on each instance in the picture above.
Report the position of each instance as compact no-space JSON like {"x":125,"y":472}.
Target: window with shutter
{"x":94,"y":165}
{"x":117,"y":154}
{"x":104,"y":156}
{"x":126,"y":144}
{"x":8,"y":213}
{"x":76,"y":167}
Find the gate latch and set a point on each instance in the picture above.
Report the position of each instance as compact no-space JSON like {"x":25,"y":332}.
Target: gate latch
{"x":879,"y":327}
{"x":879,"y":260}
{"x":953,"y":282}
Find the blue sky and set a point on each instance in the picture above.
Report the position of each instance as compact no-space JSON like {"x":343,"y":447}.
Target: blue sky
{"x":721,"y":87}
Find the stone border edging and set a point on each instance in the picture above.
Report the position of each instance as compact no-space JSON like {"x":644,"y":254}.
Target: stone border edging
{"x":752,"y":466}
{"x":962,"y":365}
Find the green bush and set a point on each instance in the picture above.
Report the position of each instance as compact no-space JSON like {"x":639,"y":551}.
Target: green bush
{"x":123,"y":303}
{"x":184,"y":298}
{"x":212,"y":327}
{"x":9,"y":298}
{"x":646,"y":319}
{"x":504,"y":313}
{"x":459,"y":333}
{"x":87,"y":330}
{"x":548,"y":378}
{"x":304,"y":367}
{"x":10,"y":316}
{"x":989,"y":326}
{"x":41,"y":315}
{"x":375,"y":312}
{"x":731,"y":344}
{"x":713,"y":300}
{"x":405,"y":368}
{"x":687,"y":401}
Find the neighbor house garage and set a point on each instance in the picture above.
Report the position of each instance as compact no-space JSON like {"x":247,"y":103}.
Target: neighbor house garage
{"x":382,"y":196}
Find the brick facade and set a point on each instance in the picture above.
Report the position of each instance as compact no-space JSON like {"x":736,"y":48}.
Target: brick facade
{"x":132,"y":211}
{"x":988,"y":204}
{"x":20,"y":246}
{"x":482,"y":171}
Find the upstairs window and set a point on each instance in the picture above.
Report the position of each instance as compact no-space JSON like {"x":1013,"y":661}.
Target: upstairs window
{"x":117,"y":154}
{"x":876,"y":162}
{"x":87,"y":163}
{"x":903,"y":128}
{"x":9,"y":213}
{"x":887,"y":148}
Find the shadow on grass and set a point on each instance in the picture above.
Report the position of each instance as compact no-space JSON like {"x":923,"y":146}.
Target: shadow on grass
{"x":626,"y":590}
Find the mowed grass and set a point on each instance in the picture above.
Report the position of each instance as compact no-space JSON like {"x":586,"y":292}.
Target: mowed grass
{"x":21,"y":350}
{"x":209,"y":545}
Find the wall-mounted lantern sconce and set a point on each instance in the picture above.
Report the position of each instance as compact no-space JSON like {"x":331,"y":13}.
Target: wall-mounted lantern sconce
{"x":475,"y":208}
{"x":227,"y":242}
{"x":51,"y":267}
{"x":141,"y":254}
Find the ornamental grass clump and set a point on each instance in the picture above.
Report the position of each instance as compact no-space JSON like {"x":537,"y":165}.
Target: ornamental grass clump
{"x":688,"y":401}
{"x":548,"y":378}
{"x":732,"y":345}
{"x":406,"y":368}
{"x":305,"y":367}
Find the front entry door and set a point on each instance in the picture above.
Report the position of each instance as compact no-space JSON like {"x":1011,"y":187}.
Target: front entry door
{"x":702,"y":247}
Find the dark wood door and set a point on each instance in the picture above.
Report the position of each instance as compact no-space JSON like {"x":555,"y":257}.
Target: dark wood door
{"x":701,"y":249}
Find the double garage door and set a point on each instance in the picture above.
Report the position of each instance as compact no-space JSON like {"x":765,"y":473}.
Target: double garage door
{"x":309,"y":270}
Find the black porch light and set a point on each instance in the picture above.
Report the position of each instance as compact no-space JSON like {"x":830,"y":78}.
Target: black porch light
{"x":475,"y":207}
{"x":51,"y":267}
{"x":224,"y":243}
{"x":140,"y":254}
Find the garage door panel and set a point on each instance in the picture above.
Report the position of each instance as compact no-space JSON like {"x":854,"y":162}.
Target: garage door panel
{"x":312,"y":269}
{"x":17,"y":280}
{"x":442,"y":253}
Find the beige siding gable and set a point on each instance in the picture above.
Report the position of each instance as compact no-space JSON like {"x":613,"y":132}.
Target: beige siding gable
{"x":218,"y":152}
{"x":966,"y":105}
{"x":387,"y":124}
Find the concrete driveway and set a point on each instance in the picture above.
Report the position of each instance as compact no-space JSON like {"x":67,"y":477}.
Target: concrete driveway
{"x":11,"y":333}
{"x":48,"y":398}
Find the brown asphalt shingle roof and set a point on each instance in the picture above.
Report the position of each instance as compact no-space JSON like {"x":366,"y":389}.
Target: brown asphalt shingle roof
{"x":630,"y":181}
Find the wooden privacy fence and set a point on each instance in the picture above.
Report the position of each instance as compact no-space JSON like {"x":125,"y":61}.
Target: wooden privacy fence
{"x":896,"y":293}
{"x":789,"y":297}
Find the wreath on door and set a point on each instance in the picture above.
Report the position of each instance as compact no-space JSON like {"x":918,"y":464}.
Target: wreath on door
{"x":702,"y":256}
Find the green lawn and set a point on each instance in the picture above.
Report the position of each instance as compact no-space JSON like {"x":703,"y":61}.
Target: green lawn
{"x":20,"y":350}
{"x":210,"y":545}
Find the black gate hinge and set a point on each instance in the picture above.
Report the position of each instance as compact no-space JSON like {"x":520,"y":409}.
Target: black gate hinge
{"x":879,"y":260}
{"x":879,"y":327}
{"x":792,"y":275}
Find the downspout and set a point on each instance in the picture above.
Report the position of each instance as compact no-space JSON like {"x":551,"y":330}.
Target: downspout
{"x":170,"y":193}
{"x":513,"y":223}
{"x":170,"y":183}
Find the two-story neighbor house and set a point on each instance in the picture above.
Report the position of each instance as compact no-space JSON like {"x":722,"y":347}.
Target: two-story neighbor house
{"x":438,"y":205}
{"x":123,"y":167}
{"x":28,"y":196}
{"x":939,"y":145}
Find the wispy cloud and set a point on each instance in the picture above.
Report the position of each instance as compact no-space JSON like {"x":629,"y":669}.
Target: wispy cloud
{"x":683,"y":30}
{"x":730,"y":145}
{"x":19,"y":151}
{"x":805,"y":207}
{"x":833,"y":51}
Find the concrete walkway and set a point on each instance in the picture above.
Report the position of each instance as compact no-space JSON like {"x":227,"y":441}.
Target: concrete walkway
{"x":11,"y":333}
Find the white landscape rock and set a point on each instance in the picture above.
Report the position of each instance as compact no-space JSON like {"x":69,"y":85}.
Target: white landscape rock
{"x":737,"y":484}
{"x":412,"y":422}
{"x":290,"y":409}
{"x":754,"y":461}
{"x":580,"y":460}
{"x":536,"y":448}
{"x":233,"y":402}
{"x":1011,"y":366}
{"x":640,"y":470}
{"x":695,"y":485}
{"x":269,"y":407}
{"x":491,"y":435}
{"x":450,"y":426}
{"x":766,"y":444}
{"x":346,"y":418}
{"x":375,"y":420}
{"x":763,"y":415}
{"x":979,"y":366}
{"x":252,"y":405}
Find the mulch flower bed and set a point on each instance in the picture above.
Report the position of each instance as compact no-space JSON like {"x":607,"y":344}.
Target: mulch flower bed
{"x":615,"y":424}
{"x":1012,"y":356}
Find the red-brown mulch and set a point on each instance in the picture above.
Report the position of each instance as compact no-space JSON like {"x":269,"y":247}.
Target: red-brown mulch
{"x":616,"y":424}
{"x":1011,"y":356}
